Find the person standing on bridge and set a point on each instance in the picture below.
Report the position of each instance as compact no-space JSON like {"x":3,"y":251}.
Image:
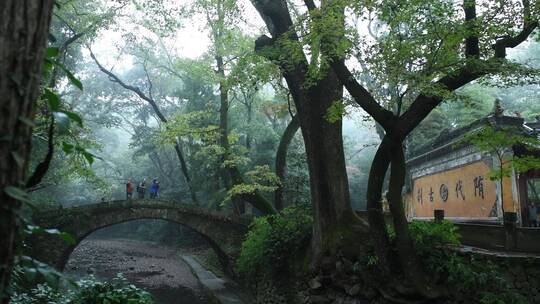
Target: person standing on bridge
{"x":141,"y":188}
{"x":154,"y":189}
{"x":129,"y":189}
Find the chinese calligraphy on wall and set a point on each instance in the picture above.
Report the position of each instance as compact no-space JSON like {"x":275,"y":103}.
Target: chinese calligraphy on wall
{"x":462,"y":192}
{"x":477,"y":182}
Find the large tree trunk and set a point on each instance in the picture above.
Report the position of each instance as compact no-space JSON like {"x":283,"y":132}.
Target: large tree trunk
{"x":23,"y":32}
{"x":390,"y":152}
{"x":334,"y":220}
{"x":409,"y":260}
{"x":281,"y":159}
{"x":329,"y":184}
{"x":377,"y":224}
{"x":335,"y":225}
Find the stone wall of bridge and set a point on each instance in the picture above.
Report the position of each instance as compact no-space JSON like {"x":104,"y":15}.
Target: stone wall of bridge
{"x":223,"y":232}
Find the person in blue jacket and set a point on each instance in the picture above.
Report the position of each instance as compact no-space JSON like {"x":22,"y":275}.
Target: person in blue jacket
{"x":154,"y":189}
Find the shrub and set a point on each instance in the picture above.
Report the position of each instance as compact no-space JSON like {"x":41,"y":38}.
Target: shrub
{"x":430,"y":234}
{"x":41,"y":294}
{"x":87,"y":291}
{"x":118,"y":291}
{"x":468,"y":277}
{"x":273,"y":240}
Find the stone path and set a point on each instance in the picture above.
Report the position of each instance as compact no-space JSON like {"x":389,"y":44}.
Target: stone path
{"x":219,"y":289}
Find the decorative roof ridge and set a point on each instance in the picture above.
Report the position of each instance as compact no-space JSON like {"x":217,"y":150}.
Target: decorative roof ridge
{"x":446,"y":136}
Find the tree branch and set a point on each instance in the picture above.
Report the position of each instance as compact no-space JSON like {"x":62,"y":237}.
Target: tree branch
{"x":126,"y":86}
{"x":529,"y":25}
{"x":472,"y":48}
{"x":150,"y":84}
{"x":158,"y":112}
{"x":425,"y":103}
{"x":281,"y":160}
{"x":362,"y":97}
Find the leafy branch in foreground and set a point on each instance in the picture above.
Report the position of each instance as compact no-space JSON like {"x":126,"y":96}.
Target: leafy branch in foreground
{"x":501,"y":143}
{"x":260,"y":179}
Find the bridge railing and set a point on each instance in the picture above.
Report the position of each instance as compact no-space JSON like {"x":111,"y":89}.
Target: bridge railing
{"x":141,"y":204}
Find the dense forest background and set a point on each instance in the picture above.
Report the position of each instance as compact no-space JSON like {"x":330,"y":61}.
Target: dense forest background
{"x":258,"y":106}
{"x":162,"y":65}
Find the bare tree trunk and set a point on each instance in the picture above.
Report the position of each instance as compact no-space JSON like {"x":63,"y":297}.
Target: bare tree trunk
{"x":329,"y":184}
{"x":255,"y":199}
{"x":390,"y":152}
{"x":377,"y":224}
{"x":23,"y":33}
{"x":409,"y":260}
{"x":229,"y":171}
{"x":281,"y":159}
{"x":248,"y":135}
{"x":183,"y":166}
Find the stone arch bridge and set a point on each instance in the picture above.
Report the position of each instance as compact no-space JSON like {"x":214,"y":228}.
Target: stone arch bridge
{"x":223,"y":232}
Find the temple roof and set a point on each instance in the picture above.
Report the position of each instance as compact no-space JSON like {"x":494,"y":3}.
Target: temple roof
{"x":446,"y":141}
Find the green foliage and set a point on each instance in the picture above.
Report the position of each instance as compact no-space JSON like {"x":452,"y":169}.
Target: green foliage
{"x":477,"y":281}
{"x":260,"y":179}
{"x":470,"y":103}
{"x":69,"y":134}
{"x":66,"y":237}
{"x":17,"y":193}
{"x":499,"y":142}
{"x":194,"y":124}
{"x":87,"y":291}
{"x":433,"y":234}
{"x":28,"y":272}
{"x":336,"y":112}
{"x":296,"y":184}
{"x":371,"y":260}
{"x":70,"y":148}
{"x":119,"y":291}
{"x":489,"y":139}
{"x":273,"y":241}
{"x":41,"y":294}
{"x":49,"y":94}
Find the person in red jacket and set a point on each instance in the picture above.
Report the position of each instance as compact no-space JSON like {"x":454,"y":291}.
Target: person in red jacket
{"x":129,"y":189}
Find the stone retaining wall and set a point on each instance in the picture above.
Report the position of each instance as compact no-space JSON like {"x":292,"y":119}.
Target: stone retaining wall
{"x":521,"y":271}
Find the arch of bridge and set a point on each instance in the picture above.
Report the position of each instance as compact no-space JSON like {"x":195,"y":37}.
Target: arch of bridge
{"x":223,"y":232}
